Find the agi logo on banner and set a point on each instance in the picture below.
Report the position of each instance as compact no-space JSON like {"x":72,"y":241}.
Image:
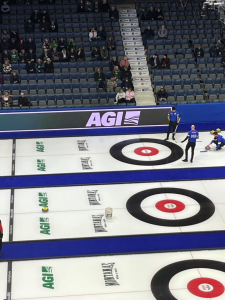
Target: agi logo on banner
{"x":112,"y":118}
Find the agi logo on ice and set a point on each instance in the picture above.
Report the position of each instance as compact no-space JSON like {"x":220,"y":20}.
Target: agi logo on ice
{"x":112,"y":118}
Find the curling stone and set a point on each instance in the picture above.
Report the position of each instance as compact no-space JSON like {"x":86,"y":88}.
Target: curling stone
{"x":45,"y":209}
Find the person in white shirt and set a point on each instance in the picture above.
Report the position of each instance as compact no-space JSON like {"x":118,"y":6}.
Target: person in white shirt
{"x":120,"y":97}
{"x":93,"y":34}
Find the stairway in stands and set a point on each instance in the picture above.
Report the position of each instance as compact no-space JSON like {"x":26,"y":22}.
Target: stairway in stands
{"x":135,"y":52}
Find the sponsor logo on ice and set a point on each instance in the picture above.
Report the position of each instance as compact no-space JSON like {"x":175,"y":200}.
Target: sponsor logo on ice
{"x":110,"y":274}
{"x":93,"y":197}
{"x":40,"y":147}
{"x":45,"y":226}
{"x":48,"y":277}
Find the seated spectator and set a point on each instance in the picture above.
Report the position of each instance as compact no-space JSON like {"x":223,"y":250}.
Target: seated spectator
{"x":36,"y":16}
{"x":49,"y":67}
{"x":114,"y":62}
{"x":6,"y":99}
{"x":46,"y":44}
{"x":129,"y":96}
{"x":5,"y":9}
{"x":31,"y":55}
{"x":45,"y":16}
{"x":61,"y":44}
{"x":29,"y":26}
{"x":159,"y":14}
{"x":111,"y":85}
{"x":14,"y":78}
{"x":213,"y":51}
{"x":1,"y":79}
{"x":126,"y":73}
{"x":88,"y":6}
{"x":143,"y":15}
{"x":53,"y":44}
{"x":199,"y":52}
{"x":55,"y":55}
{"x":30,"y":67}
{"x":99,"y":77}
{"x":72,"y":55}
{"x":162,"y":94}
{"x":4,"y":44}
{"x":5,"y":35}
{"x":14,"y":35}
{"x":39,"y":66}
{"x":81,"y":6}
{"x":101,"y":34}
{"x":45,"y":55}
{"x":23,"y":56}
{"x":23,"y":101}
{"x":64,"y":57}
{"x":43,"y":26}
{"x":111,"y":44}
{"x":6,"y":56}
{"x":163,"y":32}
{"x":96,"y":6}
{"x":120,"y":97}
{"x":148,"y":34}
{"x":105,"y":6}
{"x":7,"y":68}
{"x":21,"y":45}
{"x":151,"y":14}
{"x":71,"y":44}
{"x":14,"y":56}
{"x":104,"y":53}
{"x":113,"y":13}
{"x":13,"y":44}
{"x":30,"y":44}
{"x":92,"y":34}
{"x":127,"y":84}
{"x":223,"y":62}
{"x":80,"y":55}
{"x":125,"y":63}
{"x":95,"y":54}
{"x":116,"y":73}
{"x":165,"y":62}
{"x":53,"y":27}
{"x":154,"y":62}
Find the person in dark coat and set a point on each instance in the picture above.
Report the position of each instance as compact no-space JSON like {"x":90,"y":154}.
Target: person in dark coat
{"x":113,"y":13}
{"x":162,"y":94}
{"x":127,"y":84}
{"x":99,"y":77}
{"x":49,"y":67}
{"x":14,"y":78}
{"x":23,"y":101}
{"x":151,"y":14}
{"x":105,"y":6}
{"x":29,"y":26}
{"x":165,"y":62}
{"x":154,"y":62}
{"x":36,"y":16}
{"x":30,"y":44}
{"x":199,"y":52}
{"x":114,"y":62}
{"x":30,"y":67}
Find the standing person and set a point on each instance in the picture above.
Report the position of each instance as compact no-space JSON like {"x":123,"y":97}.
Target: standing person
{"x":192,"y":136}
{"x":219,"y":140}
{"x":1,"y":237}
{"x":174,"y":118}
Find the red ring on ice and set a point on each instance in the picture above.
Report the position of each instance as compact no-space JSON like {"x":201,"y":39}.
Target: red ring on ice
{"x":170,"y":206}
{"x":206,"y":287}
{"x":150,"y":151}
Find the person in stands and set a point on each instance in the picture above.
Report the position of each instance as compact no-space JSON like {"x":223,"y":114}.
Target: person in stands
{"x":130,"y":97}
{"x":165,"y":62}
{"x":23,"y":101}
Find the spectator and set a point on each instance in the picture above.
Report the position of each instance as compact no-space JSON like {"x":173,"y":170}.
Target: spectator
{"x":101,"y":34}
{"x":61,"y":44}
{"x":126,"y":73}
{"x":151,"y":14}
{"x":162,"y":95}
{"x":14,"y":78}
{"x":7,"y":68}
{"x":53,"y":44}
{"x":49,"y":67}
{"x":5,"y":9}
{"x":88,"y":6}
{"x":223,"y":62}
{"x":165,"y":62}
{"x":14,"y":56}
{"x":111,"y":85}
{"x":30,"y":67}
{"x":92,"y":34}
{"x":129,"y":96}
{"x":104,"y":53}
{"x":143,"y":15}
{"x":113,"y":13}
{"x":71,"y":44}
{"x":45,"y":16}
{"x":199,"y":52}
{"x":53,"y":27}
{"x":46,"y":45}
{"x":148,"y":34}
{"x":116,"y":73}
{"x":14,"y":35}
{"x":96,"y":6}
{"x":95,"y":54}
{"x":23,"y":56}
{"x":29,"y":26}
{"x":21,"y":45}
{"x":125,"y":63}
{"x":80,"y":55}
{"x":55,"y":55}
{"x":127,"y":84}
{"x":213,"y":51}
{"x":5,"y":35}
{"x":13,"y":44}
{"x":72,"y":55}
{"x":30,"y":44}
{"x":163,"y":32}
{"x":4,"y":44}
{"x":114,"y":62}
{"x":1,"y":79}
{"x":99,"y":77}
{"x":45,"y":55}
{"x":81,"y":6}
{"x":6,"y":99}
{"x":111,"y":44}
{"x":64,"y":57}
{"x":36,"y":16}
{"x":154,"y":62}
{"x":23,"y":101}
{"x":159,"y":14}
{"x":43,"y":26}
{"x":39,"y":66}
{"x":105,"y":6}
{"x":120,"y":97}
{"x":31,"y":55}
{"x":6,"y":56}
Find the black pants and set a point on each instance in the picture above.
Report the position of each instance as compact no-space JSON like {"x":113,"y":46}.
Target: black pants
{"x":172,"y":125}
{"x":0,"y":245}
{"x":221,"y":144}
{"x":192,"y":146}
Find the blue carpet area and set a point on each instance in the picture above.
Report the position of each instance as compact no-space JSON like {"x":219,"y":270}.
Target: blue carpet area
{"x":112,"y":245}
